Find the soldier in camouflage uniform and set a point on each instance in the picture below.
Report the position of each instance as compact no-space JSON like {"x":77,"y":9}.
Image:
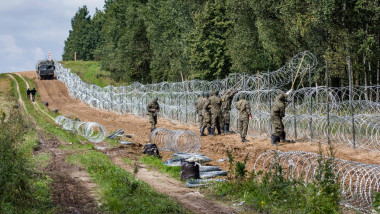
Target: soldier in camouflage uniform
{"x":244,"y":113}
{"x":199,"y":107}
{"x":153,"y":109}
{"x":278,"y":112}
{"x":206,"y":113}
{"x":226,"y":108}
{"x":216,"y":112}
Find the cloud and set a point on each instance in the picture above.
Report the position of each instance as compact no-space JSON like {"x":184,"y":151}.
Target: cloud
{"x":30,"y":29}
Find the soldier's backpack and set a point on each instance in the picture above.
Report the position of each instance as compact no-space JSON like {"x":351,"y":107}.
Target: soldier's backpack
{"x":151,"y":149}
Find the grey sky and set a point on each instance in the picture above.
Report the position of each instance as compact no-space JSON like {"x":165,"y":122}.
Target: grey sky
{"x":29,"y":29}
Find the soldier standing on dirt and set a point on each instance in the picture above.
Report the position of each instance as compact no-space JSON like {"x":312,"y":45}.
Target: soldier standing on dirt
{"x":278,"y":112}
{"x":33,"y":92}
{"x":244,"y":113}
{"x":216,"y":112}
{"x":206,"y":113}
{"x":28,"y":94}
{"x":199,"y":107}
{"x":226,"y":108}
{"x":153,"y":109}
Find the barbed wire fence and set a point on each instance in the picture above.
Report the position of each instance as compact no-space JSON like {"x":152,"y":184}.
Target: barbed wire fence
{"x":343,"y":115}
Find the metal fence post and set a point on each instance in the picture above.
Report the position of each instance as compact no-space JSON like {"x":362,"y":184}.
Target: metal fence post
{"x":327,"y":104}
{"x":186,"y":107}
{"x":351,"y":100}
{"x":311,"y":108}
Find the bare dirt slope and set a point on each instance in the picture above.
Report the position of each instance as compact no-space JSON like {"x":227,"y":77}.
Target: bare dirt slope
{"x":55,"y":92}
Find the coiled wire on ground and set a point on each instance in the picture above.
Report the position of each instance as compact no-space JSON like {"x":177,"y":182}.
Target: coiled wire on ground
{"x":358,"y":181}
{"x":175,"y":140}
{"x":94,"y":132}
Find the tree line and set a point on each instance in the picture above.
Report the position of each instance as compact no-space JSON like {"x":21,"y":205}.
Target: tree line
{"x":174,"y":40}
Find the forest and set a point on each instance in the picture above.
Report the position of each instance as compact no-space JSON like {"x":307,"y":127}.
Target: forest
{"x":151,"y":41}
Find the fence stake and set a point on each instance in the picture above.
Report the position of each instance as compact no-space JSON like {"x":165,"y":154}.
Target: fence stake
{"x":351,"y":98}
{"x":327,"y":104}
{"x":311,"y":108}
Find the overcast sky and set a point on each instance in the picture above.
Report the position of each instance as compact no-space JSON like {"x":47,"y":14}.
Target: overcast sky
{"x":29,"y":29}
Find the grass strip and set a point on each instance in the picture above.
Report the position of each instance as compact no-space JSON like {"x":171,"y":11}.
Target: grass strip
{"x":173,"y":171}
{"x":121,"y":191}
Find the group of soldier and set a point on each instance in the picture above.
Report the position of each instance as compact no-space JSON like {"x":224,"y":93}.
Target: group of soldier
{"x":214,"y":114}
{"x":31,"y":94}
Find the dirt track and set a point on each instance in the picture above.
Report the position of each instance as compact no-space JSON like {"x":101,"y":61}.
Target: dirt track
{"x":55,"y":92}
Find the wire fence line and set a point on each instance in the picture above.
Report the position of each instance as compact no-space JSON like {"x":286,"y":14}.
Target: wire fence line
{"x":358,"y":181}
{"x":344,"y":115}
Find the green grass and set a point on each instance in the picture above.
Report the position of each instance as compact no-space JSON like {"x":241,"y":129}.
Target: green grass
{"x":173,"y":171}
{"x":91,"y":73}
{"x":128,"y":161}
{"x":42,"y":160}
{"x":121,"y":191}
{"x":22,"y":188}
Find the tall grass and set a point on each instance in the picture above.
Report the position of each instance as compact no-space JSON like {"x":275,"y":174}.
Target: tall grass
{"x":275,"y":192}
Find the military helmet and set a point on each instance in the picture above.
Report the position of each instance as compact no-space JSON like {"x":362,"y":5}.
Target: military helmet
{"x":282,"y":97}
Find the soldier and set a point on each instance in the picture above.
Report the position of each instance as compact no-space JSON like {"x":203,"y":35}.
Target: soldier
{"x":33,"y":93}
{"x":28,"y":94}
{"x":206,"y":113}
{"x":199,"y":107}
{"x":153,"y":109}
{"x":216,"y":112}
{"x":278,"y":112}
{"x":226,"y":108}
{"x":244,"y":114}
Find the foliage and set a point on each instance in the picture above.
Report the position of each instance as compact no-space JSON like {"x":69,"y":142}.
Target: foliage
{"x":121,"y":191}
{"x":173,"y":171}
{"x":152,"y":41}
{"x":275,"y":192}
{"x":22,"y":189}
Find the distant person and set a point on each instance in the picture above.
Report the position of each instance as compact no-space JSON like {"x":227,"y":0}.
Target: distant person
{"x":153,"y":109}
{"x":33,"y":92}
{"x":28,"y":94}
{"x":226,"y":108}
{"x":216,"y":112}
{"x":244,"y":114}
{"x":278,"y":112}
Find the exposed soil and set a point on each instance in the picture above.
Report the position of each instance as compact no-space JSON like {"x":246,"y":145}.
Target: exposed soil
{"x":55,"y":92}
{"x":72,"y":189}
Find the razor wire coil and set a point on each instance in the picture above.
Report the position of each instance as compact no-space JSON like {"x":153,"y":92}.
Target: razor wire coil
{"x":358,"y":181}
{"x":305,"y":119}
{"x":175,"y":140}
{"x":94,"y":132}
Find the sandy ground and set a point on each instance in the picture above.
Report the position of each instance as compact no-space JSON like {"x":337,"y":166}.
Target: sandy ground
{"x":55,"y":92}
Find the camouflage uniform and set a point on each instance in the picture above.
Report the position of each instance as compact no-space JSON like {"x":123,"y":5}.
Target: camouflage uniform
{"x":216,"y":112}
{"x":199,"y":107}
{"x":206,"y":112}
{"x":278,"y":112}
{"x":226,"y":108}
{"x":244,"y":112}
{"x":153,"y":109}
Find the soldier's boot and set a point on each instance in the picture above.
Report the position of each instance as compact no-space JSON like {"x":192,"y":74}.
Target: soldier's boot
{"x":226,"y":129}
{"x":218,"y":128}
{"x":244,"y":140}
{"x":275,"y":139}
{"x":283,"y":138}
{"x":202,"y":131}
{"x":211,"y":131}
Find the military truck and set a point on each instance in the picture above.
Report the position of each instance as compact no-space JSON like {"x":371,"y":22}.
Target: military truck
{"x":45,"y":69}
